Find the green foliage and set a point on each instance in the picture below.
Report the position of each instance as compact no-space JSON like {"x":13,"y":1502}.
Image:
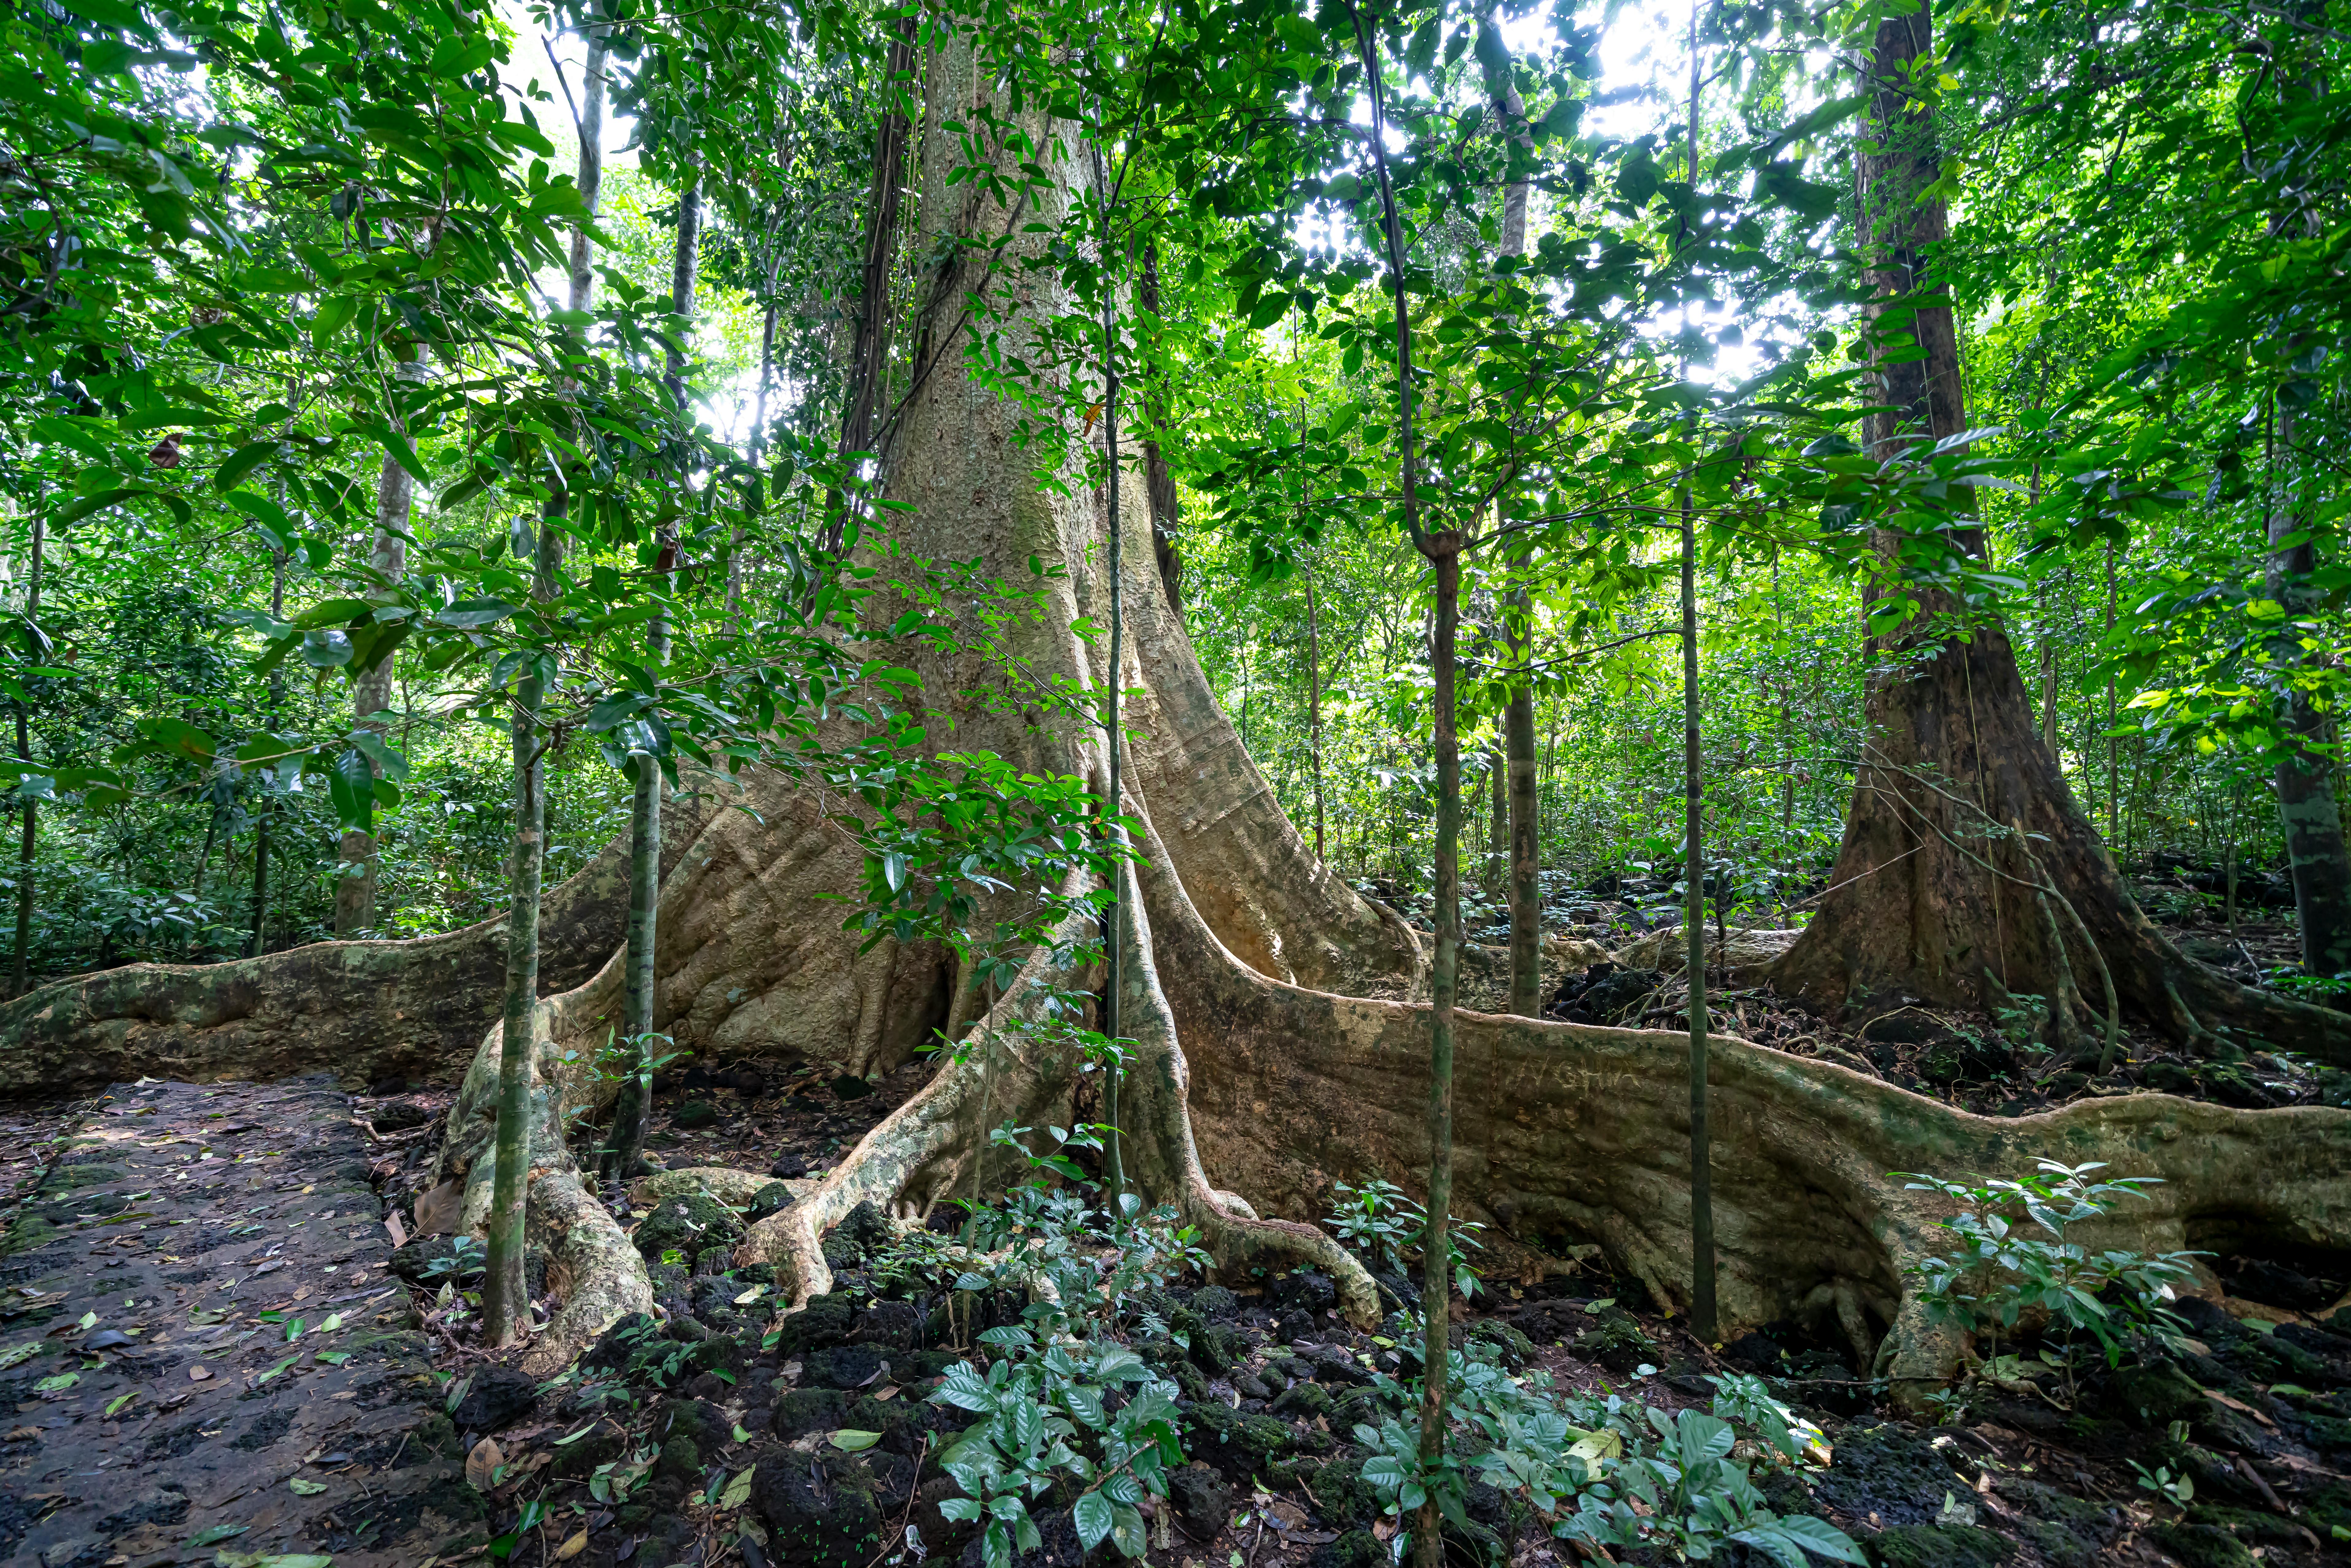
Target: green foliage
{"x":2013,"y":1256}
{"x":1379,"y":1220}
{"x":1064,"y":1404}
{"x":1602,"y":1470}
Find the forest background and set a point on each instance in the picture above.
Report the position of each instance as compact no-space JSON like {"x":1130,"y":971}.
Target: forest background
{"x":2142,"y":256}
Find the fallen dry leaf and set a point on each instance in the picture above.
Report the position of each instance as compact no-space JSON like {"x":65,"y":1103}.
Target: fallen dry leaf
{"x":199,"y":1374}
{"x":436,"y":1211}
{"x":482,"y":1465}
{"x":572,"y":1548}
{"x":18,"y":1434}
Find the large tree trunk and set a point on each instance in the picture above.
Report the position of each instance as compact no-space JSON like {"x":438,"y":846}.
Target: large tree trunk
{"x":1278,"y":1046}
{"x":1933,"y":897}
{"x":2305,"y":776}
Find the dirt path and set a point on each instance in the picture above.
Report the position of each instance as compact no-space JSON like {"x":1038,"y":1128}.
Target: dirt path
{"x":205,"y":1359}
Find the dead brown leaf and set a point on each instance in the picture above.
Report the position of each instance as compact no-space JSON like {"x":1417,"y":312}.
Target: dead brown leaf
{"x":482,"y":1465}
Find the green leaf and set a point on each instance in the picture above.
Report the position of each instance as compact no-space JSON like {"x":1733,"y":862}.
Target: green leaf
{"x":177,"y":736}
{"x":472,"y":615}
{"x":62,"y":1381}
{"x":301,"y":1488}
{"x":738,"y":1491}
{"x":350,"y":784}
{"x":242,"y":462}
{"x":854,"y":1442}
{"x":1093,"y":1520}
{"x":335,"y":313}
{"x":76,"y":510}
{"x":1271,"y":307}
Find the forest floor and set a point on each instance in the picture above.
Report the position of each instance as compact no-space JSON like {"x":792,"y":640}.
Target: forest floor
{"x":208,"y":1305}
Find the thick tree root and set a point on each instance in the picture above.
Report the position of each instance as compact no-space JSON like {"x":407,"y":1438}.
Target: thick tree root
{"x":1566,"y":1132}
{"x":921,"y":1154}
{"x":365,"y":1010}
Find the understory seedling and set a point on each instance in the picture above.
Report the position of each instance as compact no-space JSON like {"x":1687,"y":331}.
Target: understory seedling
{"x":1604,"y":1470}
{"x":1064,"y":1406}
{"x":1380,"y":1220}
{"x":2014,"y":1258}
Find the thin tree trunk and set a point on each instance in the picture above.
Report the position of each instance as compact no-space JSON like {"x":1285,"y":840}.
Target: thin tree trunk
{"x":2307,"y":809}
{"x":30,"y":837}
{"x":1498,"y":826}
{"x":395,"y":493}
{"x":1315,"y":709}
{"x":1165,"y":506}
{"x":1524,"y":822}
{"x":1702,"y":1282}
{"x":1443,"y":551}
{"x":1702,"y":1303}
{"x":505,"y":1292}
{"x":263,"y":811}
{"x":869,"y":348}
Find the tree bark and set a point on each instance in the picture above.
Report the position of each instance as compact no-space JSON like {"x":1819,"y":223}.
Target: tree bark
{"x":29,"y":838}
{"x":1950,"y":753}
{"x":869,"y":348}
{"x":2306,"y":774}
{"x":261,"y":810}
{"x":505,"y":1294}
{"x":395,"y":493}
{"x":1524,"y":824}
{"x":1166,"y":509}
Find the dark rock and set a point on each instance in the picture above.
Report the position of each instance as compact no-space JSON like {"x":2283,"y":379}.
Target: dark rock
{"x":820,"y":1509}
{"x":1217,"y":1347}
{"x":1215,"y":1303}
{"x":1057,"y":1545}
{"x":1753,"y":1352}
{"x":1294,"y":1325}
{"x":896,"y":1324}
{"x":1353,"y":1549}
{"x":1617,"y":1342}
{"x":2068,"y":1531}
{"x":1306,"y":1289}
{"x":1302,"y":1403}
{"x":1936,"y":1546}
{"x":787,"y":1164}
{"x":399,"y":1116}
{"x":1333,"y":1365}
{"x":773,"y":1198}
{"x":1890,"y":1470}
{"x":681,"y":1461}
{"x":685,"y":1226}
{"x":844,"y":1367}
{"x":2276,"y":1284}
{"x":384,"y":1087}
{"x":1248,"y":1386}
{"x":160,"y":1506}
{"x":635,"y":1350}
{"x":847,"y":1087}
{"x":1239,"y":1446}
{"x":497,"y":1396}
{"x":2203,"y":1546}
{"x":1342,"y":1496}
{"x":709,"y":1427}
{"x":2154,"y":1395}
{"x":694,"y":1114}
{"x":577,"y":1459}
{"x":800,"y":1411}
{"x":1513,"y":1347}
{"x":434,"y":1260}
{"x":1203,"y":1502}
{"x":826,"y":1320}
